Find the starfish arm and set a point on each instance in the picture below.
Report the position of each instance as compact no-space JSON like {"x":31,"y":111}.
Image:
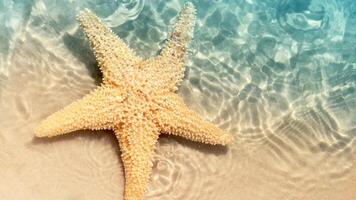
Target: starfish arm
{"x":137,"y":141}
{"x":98,"y":110}
{"x":177,"y":119}
{"x":181,"y":34}
{"x":172,"y":59}
{"x":112,"y":54}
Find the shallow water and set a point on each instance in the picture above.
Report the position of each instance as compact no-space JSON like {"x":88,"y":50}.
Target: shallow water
{"x":280,"y":76}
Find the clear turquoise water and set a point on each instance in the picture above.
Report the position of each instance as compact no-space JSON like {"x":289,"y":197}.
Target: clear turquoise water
{"x":278,"y":75}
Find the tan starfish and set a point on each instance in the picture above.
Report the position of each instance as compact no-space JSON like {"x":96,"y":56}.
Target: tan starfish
{"x":136,"y":100}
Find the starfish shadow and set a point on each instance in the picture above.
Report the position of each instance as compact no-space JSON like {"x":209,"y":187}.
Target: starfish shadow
{"x":80,"y":49}
{"x":205,"y":148}
{"x":93,"y":135}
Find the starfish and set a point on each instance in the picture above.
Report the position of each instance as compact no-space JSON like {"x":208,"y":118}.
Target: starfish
{"x":137,"y":99}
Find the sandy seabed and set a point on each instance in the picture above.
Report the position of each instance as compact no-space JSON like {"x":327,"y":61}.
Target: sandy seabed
{"x":283,"y":87}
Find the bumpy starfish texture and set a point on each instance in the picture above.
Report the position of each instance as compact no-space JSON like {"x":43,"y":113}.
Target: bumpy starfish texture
{"x":136,"y":100}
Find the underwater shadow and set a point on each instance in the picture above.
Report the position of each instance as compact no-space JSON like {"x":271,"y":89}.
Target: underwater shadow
{"x":95,"y":135}
{"x":80,"y":49}
{"x":202,"y":147}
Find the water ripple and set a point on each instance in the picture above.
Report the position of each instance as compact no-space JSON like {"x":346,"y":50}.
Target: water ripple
{"x":312,"y":19}
{"x":127,"y":10}
{"x":171,"y":171}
